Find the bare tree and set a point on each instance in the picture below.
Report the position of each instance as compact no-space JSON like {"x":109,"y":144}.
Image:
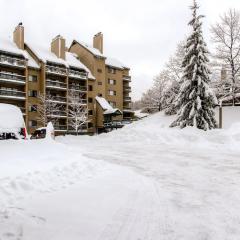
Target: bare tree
{"x":77,"y":111}
{"x":226,"y":35}
{"x":48,"y":109}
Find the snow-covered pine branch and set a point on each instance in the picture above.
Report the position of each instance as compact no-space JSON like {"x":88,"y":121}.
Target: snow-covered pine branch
{"x":77,"y":111}
{"x":196,"y":100}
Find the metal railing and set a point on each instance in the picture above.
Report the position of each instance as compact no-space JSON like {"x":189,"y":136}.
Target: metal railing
{"x":127,"y":99}
{"x":12,"y":61}
{"x":77,"y":88}
{"x":58,"y":113}
{"x":12,"y":93}
{"x":56,"y":70}
{"x":60,"y":127}
{"x":126,"y":78}
{"x":57,"y":99}
{"x":12,"y":77}
{"x":78,"y":74}
{"x":126,"y":88}
{"x":56,"y":84}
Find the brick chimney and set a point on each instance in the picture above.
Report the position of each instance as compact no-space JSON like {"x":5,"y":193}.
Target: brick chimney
{"x":58,"y":46}
{"x":18,"y":36}
{"x":98,"y":41}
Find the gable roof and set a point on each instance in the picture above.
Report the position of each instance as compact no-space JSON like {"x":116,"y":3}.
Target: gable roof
{"x":7,"y":45}
{"x":107,"y":108}
{"x":90,"y":48}
{"x":113,"y":62}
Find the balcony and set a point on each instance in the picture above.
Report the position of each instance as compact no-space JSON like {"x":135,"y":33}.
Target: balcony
{"x":127,"y":99}
{"x":60,"y":128}
{"x":12,"y":78}
{"x":56,"y":85}
{"x":126,"y":78}
{"x":58,"y":114}
{"x":16,"y":62}
{"x":127,"y":89}
{"x":12,"y":94}
{"x":56,"y":70}
{"x":77,"y":88}
{"x":77,"y":74}
{"x":58,"y":99}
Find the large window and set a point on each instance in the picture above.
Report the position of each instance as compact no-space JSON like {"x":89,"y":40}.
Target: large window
{"x":32,"y":78}
{"x":111,"y":81}
{"x":111,"y":70}
{"x":112,"y":93}
{"x":90,"y":88}
{"x":32,"y":93}
{"x":32,"y":108}
{"x":33,"y":123}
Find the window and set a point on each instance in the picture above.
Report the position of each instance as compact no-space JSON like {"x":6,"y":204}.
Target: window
{"x":90,"y":88}
{"x":99,"y":83}
{"x":32,"y":93}
{"x":99,"y":70}
{"x":90,"y":100}
{"x":90,"y":125}
{"x":113,"y":104}
{"x":32,"y":108}
{"x":112,"y":93}
{"x":99,"y":94}
{"x":32,"y":78}
{"x":33,"y":123}
{"x":111,"y":82}
{"x":111,"y":70}
{"x":90,"y":112}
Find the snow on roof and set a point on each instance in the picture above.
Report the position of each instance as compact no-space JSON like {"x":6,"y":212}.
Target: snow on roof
{"x":91,"y":49}
{"x":11,"y":118}
{"x":113,"y":62}
{"x":71,"y":59}
{"x":8,"y":45}
{"x":45,"y":54}
{"x":31,"y":62}
{"x":108,"y":109}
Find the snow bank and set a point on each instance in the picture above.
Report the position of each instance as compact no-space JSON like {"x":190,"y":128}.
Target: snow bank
{"x":11,"y":118}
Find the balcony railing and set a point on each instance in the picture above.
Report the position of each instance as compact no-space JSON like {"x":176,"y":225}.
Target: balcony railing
{"x":60,"y":127}
{"x":13,"y":78}
{"x":126,"y":89}
{"x":56,"y":70}
{"x":56,"y":84}
{"x":12,"y":94}
{"x":77,"y":74}
{"x":127,"y":99}
{"x":58,"y":114}
{"x":12,"y":61}
{"x":127,"y":78}
{"x":77,"y":88}
{"x":58,"y":99}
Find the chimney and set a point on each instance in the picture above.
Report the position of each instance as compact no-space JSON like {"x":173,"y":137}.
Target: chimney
{"x":98,"y":41}
{"x":18,"y":36}
{"x":58,"y":46}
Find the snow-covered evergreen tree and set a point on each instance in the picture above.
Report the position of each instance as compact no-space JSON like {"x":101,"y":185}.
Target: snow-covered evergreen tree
{"x":196,"y":100}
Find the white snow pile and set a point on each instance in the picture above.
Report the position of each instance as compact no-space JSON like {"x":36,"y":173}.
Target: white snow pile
{"x":11,"y":119}
{"x":145,"y":181}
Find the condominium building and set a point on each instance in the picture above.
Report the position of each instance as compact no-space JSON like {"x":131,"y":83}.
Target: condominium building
{"x":31,"y":75}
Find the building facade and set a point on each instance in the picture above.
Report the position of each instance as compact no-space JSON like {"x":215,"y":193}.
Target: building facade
{"x":33,"y":77}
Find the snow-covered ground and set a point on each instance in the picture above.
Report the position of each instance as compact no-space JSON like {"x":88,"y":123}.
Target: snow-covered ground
{"x":145,"y":181}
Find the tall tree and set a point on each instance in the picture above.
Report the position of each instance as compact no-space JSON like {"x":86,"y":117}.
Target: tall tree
{"x":195,"y":99}
{"x":226,"y":35}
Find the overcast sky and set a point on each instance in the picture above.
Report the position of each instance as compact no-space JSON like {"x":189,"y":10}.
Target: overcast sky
{"x":140,"y":33}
